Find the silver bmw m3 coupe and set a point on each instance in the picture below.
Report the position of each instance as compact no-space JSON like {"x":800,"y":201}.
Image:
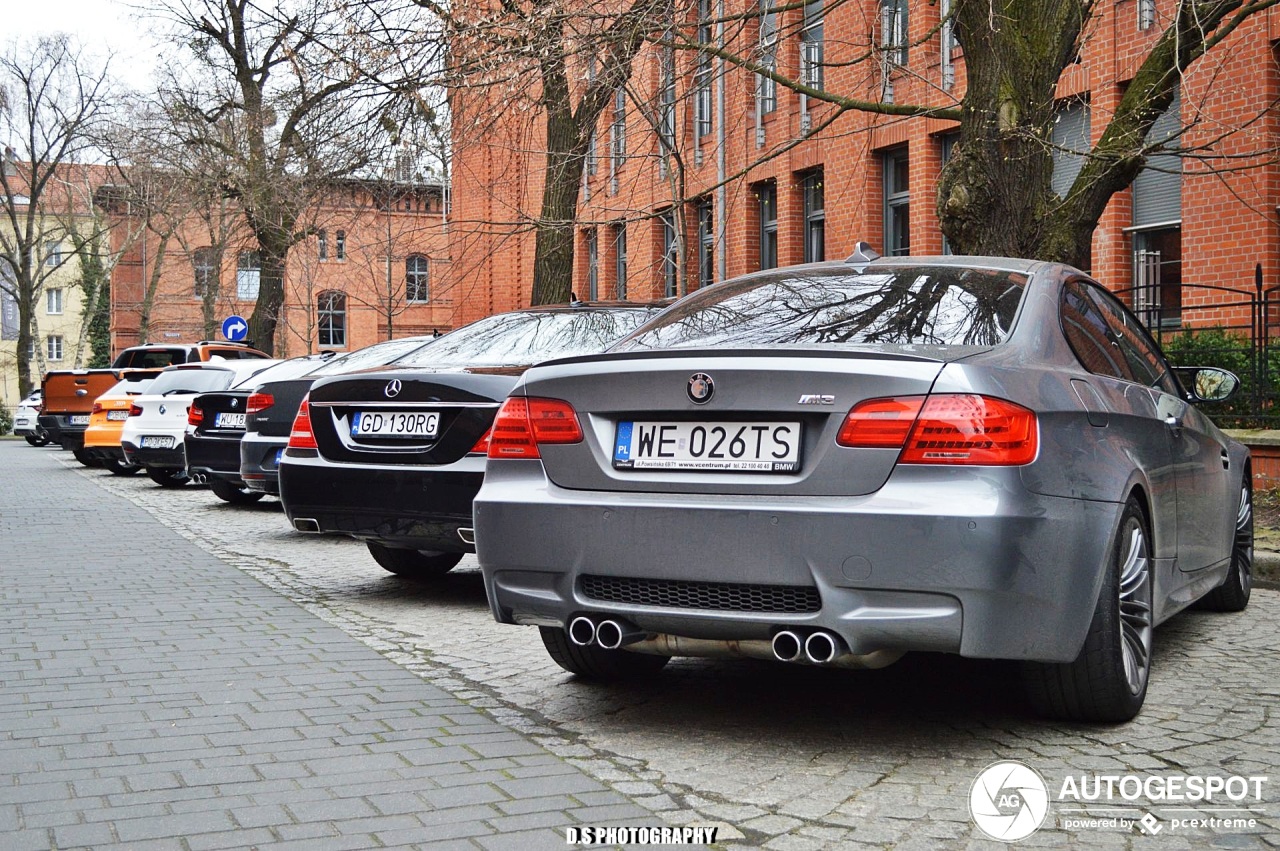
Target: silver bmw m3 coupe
{"x":837,"y":463}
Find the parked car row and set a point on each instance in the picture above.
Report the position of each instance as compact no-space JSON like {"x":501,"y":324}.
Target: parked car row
{"x":831,"y":464}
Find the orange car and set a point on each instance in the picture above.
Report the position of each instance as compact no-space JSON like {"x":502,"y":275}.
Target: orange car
{"x":110,"y":410}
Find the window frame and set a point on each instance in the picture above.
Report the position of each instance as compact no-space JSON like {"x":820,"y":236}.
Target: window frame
{"x":53,"y":301}
{"x":897,"y":202}
{"x":336,"y":331}
{"x":417,"y":280}
{"x":813,"y":190}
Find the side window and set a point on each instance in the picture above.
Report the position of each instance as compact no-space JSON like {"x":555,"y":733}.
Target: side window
{"x":1088,"y":334}
{"x":1145,"y":363}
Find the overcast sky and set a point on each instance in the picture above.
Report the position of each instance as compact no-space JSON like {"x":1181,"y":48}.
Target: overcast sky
{"x":102,"y":26}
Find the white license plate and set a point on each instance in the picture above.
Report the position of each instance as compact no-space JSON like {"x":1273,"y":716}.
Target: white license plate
{"x":117,"y":415}
{"x":228,"y":420}
{"x":21,"y":423}
{"x":79,"y":419}
{"x":395,"y":424}
{"x":157,"y":442}
{"x":734,"y":446}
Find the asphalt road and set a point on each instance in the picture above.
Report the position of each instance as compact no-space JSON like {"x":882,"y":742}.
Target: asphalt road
{"x":790,"y":757}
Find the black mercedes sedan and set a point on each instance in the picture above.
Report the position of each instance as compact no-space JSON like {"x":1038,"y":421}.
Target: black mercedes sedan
{"x":394,"y":456}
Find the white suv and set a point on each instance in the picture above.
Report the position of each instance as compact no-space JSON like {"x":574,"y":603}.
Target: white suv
{"x":152,"y":436}
{"x":26,"y":420}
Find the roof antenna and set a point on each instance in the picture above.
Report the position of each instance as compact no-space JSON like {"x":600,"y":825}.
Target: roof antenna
{"x":862,"y":254}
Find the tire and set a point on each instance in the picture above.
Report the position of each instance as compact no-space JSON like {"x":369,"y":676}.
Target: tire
{"x":1233,"y":594}
{"x":233,"y":493}
{"x":1108,"y":680}
{"x":83,"y":456}
{"x":166,"y":477}
{"x":596,"y":663}
{"x":121,"y":467}
{"x":413,"y":564}
{"x":40,"y":439}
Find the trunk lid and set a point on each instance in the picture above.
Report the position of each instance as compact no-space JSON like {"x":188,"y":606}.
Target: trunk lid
{"x":224,"y":413}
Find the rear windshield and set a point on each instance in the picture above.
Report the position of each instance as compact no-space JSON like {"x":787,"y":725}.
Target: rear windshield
{"x":150,"y":358}
{"x":191,"y":381}
{"x":281,"y":371}
{"x":132,"y":386}
{"x":524,"y":338}
{"x":916,"y":305}
{"x":379,"y":354}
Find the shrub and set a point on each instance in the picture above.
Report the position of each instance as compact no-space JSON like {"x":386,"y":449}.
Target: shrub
{"x":1253,"y":405}
{"x":6,"y":420}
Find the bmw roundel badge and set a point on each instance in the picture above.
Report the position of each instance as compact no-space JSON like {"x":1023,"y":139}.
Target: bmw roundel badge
{"x":393,"y":388}
{"x":162,"y":409}
{"x":700,"y":387}
{"x":235,"y":403}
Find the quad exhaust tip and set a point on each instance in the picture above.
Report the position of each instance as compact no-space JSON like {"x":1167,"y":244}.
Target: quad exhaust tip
{"x":787,"y":646}
{"x":467,"y":534}
{"x":582,"y":631}
{"x":817,"y":648}
{"x":306,"y":524}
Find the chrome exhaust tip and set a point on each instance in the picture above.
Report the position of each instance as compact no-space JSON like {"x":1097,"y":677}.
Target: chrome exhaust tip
{"x":823,"y":648}
{"x":611,"y":634}
{"x":787,"y":646}
{"x":468,"y":535}
{"x":306,"y":524}
{"x":582,"y":631}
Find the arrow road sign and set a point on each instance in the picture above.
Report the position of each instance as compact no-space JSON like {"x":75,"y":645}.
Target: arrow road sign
{"x":234,"y":328}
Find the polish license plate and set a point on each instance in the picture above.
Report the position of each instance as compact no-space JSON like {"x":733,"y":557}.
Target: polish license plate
{"x":228,"y":420}
{"x":153,"y":441}
{"x":117,"y":415}
{"x":79,"y":419}
{"x":753,"y":447}
{"x":395,"y":424}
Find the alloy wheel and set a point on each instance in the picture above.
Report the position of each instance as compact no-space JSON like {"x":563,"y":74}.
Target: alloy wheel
{"x":1135,"y":607}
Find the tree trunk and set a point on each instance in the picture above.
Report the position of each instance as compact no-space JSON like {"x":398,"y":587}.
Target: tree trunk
{"x":266,"y":313}
{"x":553,"y":255}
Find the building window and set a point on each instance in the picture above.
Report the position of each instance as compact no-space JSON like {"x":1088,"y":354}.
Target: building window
{"x":331,"y":319}
{"x":1146,"y":14}
{"x":811,"y":46}
{"x":593,"y":162}
{"x":702,"y":72}
{"x":54,"y":350}
{"x":53,"y":254}
{"x":1070,"y":137}
{"x":897,"y":204}
{"x":767,"y":198}
{"x":667,"y":103}
{"x":706,"y":243}
{"x":670,"y":259}
{"x":766,"y":88}
{"x":206,"y":265}
{"x":815,"y":217}
{"x":340,"y":244}
{"x":248,"y":275}
{"x":1157,"y":277}
{"x":893,"y":31}
{"x":620,"y":260}
{"x":322,"y":244}
{"x":53,"y":300}
{"x":618,"y":130}
{"x":593,"y":265}
{"x":417,"y":278}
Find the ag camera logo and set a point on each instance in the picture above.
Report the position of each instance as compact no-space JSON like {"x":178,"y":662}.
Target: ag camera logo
{"x":1008,"y":801}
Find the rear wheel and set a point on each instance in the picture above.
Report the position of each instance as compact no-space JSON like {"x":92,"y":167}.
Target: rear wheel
{"x":167,"y":478}
{"x":40,"y":438}
{"x":596,"y":663}
{"x":1233,"y":594}
{"x":413,"y":564}
{"x":233,"y":493}
{"x":83,"y":456}
{"x":1108,"y":680}
{"x":121,"y":467}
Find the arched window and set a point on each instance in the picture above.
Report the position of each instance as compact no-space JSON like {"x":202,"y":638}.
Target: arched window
{"x":416,"y":278}
{"x":331,"y":319}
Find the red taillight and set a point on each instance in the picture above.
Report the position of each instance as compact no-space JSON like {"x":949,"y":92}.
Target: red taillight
{"x":301,"y":436}
{"x":135,"y":411}
{"x":946,"y":428}
{"x":195,"y":415}
{"x":97,"y":408}
{"x":258,"y":402}
{"x":524,"y":422}
{"x":482,"y":445}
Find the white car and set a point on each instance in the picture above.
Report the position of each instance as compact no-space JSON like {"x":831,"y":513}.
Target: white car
{"x":152,"y":435}
{"x":26,"y":420}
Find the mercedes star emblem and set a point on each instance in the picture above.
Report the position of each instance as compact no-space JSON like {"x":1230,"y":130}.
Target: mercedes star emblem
{"x":393,"y":388}
{"x":700,"y":387}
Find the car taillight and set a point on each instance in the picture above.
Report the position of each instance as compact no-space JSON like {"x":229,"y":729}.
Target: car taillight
{"x":97,"y":408}
{"x":258,"y":402}
{"x":525,"y":422}
{"x":301,"y":436}
{"x":195,"y":415}
{"x":135,"y":411}
{"x":945,"y":428}
{"x":482,"y":445}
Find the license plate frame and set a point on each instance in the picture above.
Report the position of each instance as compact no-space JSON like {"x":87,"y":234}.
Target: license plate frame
{"x":396,"y":425}
{"x":719,"y":446}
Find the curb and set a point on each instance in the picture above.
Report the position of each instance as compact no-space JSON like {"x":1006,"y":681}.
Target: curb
{"x":1270,"y":562}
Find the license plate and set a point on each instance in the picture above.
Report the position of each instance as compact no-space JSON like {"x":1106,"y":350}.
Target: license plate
{"x":279,"y":455}
{"x":79,"y":419}
{"x":117,"y":415}
{"x":229,"y":420}
{"x":21,"y":423}
{"x":754,"y":447}
{"x":157,"y":442}
{"x":395,"y":424}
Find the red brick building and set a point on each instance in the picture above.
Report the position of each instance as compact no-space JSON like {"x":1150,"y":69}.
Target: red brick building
{"x":374,"y":265}
{"x":681,"y":153}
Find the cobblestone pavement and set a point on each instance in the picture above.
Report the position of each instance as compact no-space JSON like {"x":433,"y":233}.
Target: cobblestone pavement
{"x":791,"y":757}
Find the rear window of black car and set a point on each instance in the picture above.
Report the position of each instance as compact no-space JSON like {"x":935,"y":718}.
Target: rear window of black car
{"x":909,"y":305}
{"x":527,"y":337}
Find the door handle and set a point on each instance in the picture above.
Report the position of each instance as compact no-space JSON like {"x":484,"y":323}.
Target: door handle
{"x":1226,"y":460}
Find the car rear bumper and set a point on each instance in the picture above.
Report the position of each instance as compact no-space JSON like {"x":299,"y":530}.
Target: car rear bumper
{"x":422,"y":509}
{"x":260,"y":462}
{"x":162,"y":459}
{"x":61,"y":431}
{"x":974,"y":565}
{"x":105,"y":453}
{"x":214,"y":457}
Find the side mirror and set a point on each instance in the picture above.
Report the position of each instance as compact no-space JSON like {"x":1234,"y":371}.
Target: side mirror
{"x":1208,"y":383}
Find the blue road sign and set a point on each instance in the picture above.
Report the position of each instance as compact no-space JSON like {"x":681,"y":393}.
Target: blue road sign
{"x":234,"y":328}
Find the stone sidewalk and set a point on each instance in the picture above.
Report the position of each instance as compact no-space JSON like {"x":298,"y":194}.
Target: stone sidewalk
{"x":153,"y":696}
